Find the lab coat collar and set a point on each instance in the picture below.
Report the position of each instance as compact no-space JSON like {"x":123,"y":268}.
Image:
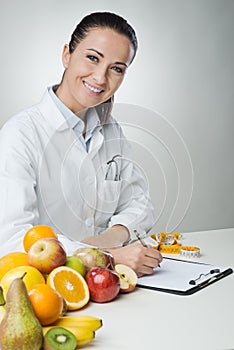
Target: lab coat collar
{"x":53,"y":115}
{"x":55,"y":118}
{"x":72,"y":119}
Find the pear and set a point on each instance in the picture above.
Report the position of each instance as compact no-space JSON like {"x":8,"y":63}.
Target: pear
{"x":20,"y":329}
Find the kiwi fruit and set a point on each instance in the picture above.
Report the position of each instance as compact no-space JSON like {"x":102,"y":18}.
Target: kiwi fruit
{"x":59,"y":338}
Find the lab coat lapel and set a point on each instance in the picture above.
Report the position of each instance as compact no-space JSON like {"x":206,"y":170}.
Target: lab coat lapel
{"x":52,"y":114}
{"x":96,"y":142}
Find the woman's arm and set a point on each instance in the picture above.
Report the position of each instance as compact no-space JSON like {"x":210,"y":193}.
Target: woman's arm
{"x":141,"y":259}
{"x":112,"y":237}
{"x":18,"y":204}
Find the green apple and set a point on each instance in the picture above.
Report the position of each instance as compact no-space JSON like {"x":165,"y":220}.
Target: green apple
{"x":75,"y":263}
{"x":93,"y":257}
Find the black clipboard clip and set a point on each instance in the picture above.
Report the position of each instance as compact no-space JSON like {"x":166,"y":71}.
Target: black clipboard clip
{"x":211,"y":272}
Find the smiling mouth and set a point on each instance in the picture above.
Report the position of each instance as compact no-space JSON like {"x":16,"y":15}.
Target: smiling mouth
{"x":92,"y":88}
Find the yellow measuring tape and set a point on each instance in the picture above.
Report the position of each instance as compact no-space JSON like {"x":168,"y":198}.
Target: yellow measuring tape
{"x":169,"y":243}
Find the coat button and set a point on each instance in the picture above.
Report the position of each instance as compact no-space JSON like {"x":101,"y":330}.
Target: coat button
{"x":89,"y":222}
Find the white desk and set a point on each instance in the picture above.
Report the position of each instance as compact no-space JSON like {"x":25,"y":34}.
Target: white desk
{"x":152,"y":320}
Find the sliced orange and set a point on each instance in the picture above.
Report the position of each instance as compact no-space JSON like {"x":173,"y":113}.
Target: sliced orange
{"x":71,"y":285}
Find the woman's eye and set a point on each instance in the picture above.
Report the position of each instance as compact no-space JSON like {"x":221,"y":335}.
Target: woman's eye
{"x":117,"y":69}
{"x":92,"y":58}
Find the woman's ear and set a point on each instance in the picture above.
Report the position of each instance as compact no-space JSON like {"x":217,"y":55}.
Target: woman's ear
{"x":66,"y":56}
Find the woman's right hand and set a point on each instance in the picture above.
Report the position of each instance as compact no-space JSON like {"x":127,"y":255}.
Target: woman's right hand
{"x":141,"y":259}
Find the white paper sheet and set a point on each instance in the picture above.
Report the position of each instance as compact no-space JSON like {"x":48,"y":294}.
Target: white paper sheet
{"x":175,"y":275}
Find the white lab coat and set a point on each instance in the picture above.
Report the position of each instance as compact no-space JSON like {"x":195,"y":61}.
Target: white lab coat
{"x":47,"y":177}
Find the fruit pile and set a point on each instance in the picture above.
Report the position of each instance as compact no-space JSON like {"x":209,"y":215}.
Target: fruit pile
{"x":39,"y":286}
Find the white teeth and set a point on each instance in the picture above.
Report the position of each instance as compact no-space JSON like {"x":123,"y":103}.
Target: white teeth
{"x":92,"y":88}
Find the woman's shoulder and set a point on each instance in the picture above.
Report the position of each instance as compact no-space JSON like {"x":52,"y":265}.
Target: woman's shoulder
{"x":20,"y":118}
{"x":19,"y":123}
{"x":27,"y":119}
{"x":21,"y":130}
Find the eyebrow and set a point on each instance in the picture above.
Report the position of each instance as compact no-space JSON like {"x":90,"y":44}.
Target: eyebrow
{"x":101,"y":55}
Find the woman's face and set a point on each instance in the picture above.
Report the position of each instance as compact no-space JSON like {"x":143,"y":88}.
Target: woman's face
{"x":95,"y":70}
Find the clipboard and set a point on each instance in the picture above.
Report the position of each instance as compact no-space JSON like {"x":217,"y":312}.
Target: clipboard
{"x":183,"y":277}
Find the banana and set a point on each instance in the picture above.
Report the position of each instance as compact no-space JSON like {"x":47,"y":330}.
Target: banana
{"x":83,"y":335}
{"x":90,"y":322}
{"x":2,"y":299}
{"x":2,"y":312}
{"x":2,"y":305}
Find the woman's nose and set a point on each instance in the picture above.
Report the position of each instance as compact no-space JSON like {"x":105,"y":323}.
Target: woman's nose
{"x":100,"y":75}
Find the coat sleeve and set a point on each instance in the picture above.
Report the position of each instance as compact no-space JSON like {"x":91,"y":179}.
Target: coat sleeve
{"x":135,"y":209}
{"x":18,"y":204}
{"x":18,"y":186}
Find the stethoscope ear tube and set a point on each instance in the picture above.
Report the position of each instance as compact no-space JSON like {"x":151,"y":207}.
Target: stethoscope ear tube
{"x":117,"y":171}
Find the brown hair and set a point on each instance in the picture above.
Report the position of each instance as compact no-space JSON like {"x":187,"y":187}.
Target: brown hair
{"x":103,"y":20}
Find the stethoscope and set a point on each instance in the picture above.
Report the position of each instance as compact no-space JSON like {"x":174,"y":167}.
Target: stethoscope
{"x":110,"y":164}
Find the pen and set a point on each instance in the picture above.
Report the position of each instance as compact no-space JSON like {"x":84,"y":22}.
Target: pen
{"x":142,"y":241}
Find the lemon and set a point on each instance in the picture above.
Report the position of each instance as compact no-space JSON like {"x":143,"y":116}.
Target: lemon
{"x":31,"y":277}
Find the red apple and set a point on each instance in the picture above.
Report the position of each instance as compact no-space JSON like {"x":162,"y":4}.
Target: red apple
{"x":92,"y":257}
{"x":103,"y":283}
{"x":128,"y":278}
{"x":46,"y":254}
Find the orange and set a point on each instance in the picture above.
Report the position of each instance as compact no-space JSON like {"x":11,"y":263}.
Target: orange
{"x":71,"y":285}
{"x":46,"y":302}
{"x":32,"y":277}
{"x":11,"y":260}
{"x":35,"y":233}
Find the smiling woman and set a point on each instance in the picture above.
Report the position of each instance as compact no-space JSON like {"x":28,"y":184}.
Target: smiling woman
{"x":100,"y":70}
{"x":55,"y":155}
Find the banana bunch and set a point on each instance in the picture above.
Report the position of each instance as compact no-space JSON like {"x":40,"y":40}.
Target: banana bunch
{"x":83,"y":327}
{"x":2,"y":305}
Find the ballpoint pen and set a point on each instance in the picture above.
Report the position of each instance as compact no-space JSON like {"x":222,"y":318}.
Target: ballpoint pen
{"x":140,"y":239}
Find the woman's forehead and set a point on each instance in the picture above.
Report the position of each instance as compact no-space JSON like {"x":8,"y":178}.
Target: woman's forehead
{"x":106,"y":41}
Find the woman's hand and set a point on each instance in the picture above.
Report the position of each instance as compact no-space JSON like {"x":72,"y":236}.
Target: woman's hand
{"x":141,"y":259}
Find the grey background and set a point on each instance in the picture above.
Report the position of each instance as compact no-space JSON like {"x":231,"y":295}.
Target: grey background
{"x":183,"y":72}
